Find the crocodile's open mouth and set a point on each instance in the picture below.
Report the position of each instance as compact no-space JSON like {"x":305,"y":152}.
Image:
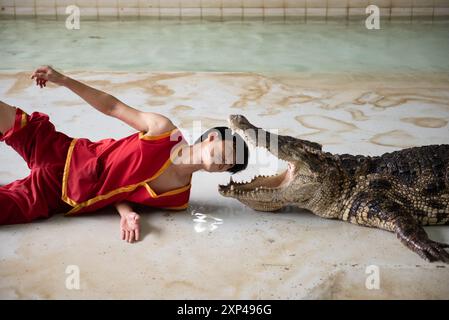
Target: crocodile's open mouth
{"x":258,"y":185}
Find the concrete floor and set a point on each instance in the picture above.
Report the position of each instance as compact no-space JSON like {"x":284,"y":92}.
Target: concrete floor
{"x":218,"y":248}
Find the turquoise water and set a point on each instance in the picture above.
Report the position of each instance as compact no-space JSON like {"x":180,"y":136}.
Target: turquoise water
{"x":231,"y":46}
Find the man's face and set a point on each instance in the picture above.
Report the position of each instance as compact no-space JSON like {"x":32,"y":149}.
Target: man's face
{"x":217,"y":155}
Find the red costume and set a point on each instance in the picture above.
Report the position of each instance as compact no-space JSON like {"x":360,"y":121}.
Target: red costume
{"x":77,"y":175}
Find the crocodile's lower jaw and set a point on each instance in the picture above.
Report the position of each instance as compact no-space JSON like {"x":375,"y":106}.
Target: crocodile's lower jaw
{"x":259,"y":188}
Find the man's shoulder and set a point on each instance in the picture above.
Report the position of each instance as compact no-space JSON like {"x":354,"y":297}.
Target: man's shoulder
{"x":158,"y":125}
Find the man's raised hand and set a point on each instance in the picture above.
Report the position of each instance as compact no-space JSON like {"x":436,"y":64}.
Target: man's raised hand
{"x":46,"y":73}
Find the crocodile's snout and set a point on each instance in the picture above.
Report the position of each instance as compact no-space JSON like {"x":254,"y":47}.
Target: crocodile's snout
{"x":237,"y":121}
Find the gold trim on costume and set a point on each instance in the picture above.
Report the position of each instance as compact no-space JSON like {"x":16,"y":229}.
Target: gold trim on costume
{"x":129,"y":188}
{"x":183,"y":207}
{"x":142,"y":135}
{"x":65,"y":176}
{"x":153,"y":194}
{"x":23,"y":120}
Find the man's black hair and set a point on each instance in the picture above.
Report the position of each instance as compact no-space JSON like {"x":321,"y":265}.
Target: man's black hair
{"x":240,"y":146}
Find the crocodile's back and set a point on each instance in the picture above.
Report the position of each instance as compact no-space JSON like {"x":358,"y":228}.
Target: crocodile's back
{"x":410,"y":164}
{"x":416,"y":179}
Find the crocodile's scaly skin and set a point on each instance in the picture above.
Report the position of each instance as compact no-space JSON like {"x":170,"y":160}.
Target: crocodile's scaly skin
{"x":399,"y":191}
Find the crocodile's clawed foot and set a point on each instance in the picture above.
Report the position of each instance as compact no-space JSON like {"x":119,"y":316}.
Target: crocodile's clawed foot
{"x":416,"y":239}
{"x":431,"y":250}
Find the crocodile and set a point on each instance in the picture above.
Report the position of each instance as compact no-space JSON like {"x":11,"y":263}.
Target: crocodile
{"x":399,"y":191}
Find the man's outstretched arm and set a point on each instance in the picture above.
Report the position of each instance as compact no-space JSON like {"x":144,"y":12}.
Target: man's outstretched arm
{"x":148,"y":122}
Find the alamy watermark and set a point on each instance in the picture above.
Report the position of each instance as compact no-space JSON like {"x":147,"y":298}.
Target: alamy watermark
{"x":372,"y":22}
{"x":72,"y":22}
{"x":265,"y":139}
{"x":372,"y":281}
{"x":72,"y":281}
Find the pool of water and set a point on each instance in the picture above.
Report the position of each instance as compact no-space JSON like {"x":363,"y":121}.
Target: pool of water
{"x":231,"y":46}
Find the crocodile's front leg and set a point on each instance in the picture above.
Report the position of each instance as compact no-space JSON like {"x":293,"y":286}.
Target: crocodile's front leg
{"x":377,"y":209}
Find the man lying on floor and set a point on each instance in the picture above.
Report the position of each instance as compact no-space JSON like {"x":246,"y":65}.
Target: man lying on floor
{"x":152,"y":167}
